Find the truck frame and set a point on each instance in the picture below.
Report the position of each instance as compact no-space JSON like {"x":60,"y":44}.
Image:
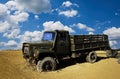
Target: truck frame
{"x":58,"y":44}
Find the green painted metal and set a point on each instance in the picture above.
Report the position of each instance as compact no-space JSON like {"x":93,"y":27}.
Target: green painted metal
{"x":59,"y":43}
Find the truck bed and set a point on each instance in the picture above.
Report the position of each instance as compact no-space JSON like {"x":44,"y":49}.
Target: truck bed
{"x":89,"y":42}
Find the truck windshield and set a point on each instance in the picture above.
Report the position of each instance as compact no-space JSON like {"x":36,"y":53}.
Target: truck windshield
{"x":48,"y":36}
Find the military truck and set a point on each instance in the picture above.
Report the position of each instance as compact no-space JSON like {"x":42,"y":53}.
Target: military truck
{"x":58,"y":44}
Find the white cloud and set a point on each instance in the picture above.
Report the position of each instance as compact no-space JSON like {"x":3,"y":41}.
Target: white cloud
{"x":11,"y":14}
{"x":100,"y":24}
{"x":69,"y":13}
{"x":20,"y":17}
{"x":10,"y":43}
{"x":35,"y":6}
{"x":12,"y":33}
{"x":3,"y":10}
{"x":30,"y":36}
{"x":13,"y":5}
{"x":112,"y":43}
{"x":84,"y":27}
{"x":114,"y":36}
{"x":113,"y":32}
{"x":36,"y":17}
{"x":4,"y":26}
{"x":15,"y":11}
{"x":2,"y":43}
{"x":10,"y":26}
{"x":51,"y":25}
{"x":91,"y":33}
{"x":66,"y":4}
{"x":66,"y":9}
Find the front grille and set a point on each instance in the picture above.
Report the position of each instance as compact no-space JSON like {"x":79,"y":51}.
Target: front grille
{"x":26,"y":52}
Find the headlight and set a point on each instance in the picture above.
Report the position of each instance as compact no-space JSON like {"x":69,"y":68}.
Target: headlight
{"x":36,"y":53}
{"x":26,"y":50}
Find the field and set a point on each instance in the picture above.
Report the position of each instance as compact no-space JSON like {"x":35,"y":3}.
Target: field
{"x":13,"y":66}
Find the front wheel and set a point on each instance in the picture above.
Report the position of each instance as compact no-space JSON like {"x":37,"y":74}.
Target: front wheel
{"x":91,"y":57}
{"x":47,"y":64}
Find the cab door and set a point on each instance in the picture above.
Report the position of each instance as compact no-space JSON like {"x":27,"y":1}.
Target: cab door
{"x":63,"y":44}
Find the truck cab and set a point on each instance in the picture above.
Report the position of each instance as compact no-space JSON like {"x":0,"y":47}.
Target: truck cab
{"x":53,"y":43}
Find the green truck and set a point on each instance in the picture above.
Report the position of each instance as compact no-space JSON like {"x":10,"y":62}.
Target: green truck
{"x":58,"y":44}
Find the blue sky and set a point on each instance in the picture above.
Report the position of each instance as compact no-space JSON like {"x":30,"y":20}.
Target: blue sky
{"x":23,"y":21}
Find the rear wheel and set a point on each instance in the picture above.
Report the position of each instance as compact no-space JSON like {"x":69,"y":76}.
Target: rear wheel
{"x":115,"y":53}
{"x":109,"y":53}
{"x":47,"y":64}
{"x":91,"y":57}
{"x":119,"y":60}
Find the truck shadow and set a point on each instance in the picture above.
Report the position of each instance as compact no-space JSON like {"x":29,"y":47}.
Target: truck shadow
{"x":69,"y":62}
{"x":101,"y":58}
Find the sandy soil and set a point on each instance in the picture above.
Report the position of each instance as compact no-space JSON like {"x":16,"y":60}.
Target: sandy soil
{"x":13,"y":66}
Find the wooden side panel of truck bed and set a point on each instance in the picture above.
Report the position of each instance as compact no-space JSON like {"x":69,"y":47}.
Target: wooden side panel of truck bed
{"x":89,"y":42}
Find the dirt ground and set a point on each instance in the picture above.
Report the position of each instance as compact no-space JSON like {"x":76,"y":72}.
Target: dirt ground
{"x":13,"y":66}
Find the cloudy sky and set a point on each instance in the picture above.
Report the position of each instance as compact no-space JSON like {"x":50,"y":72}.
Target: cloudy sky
{"x":24,"y":21}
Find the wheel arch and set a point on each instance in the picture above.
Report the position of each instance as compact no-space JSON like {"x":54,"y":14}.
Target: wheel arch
{"x":48,"y":54}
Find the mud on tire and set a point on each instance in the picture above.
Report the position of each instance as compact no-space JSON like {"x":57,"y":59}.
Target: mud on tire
{"x":111,"y":53}
{"x":47,"y":64}
{"x":91,"y":57}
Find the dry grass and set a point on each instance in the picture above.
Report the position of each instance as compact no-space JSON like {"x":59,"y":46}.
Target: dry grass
{"x":13,"y":66}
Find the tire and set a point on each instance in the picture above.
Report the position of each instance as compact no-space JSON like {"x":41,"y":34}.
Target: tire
{"x":47,"y":64}
{"x":109,"y":53}
{"x":91,"y":57}
{"x":115,"y":53}
{"x":119,"y":60}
